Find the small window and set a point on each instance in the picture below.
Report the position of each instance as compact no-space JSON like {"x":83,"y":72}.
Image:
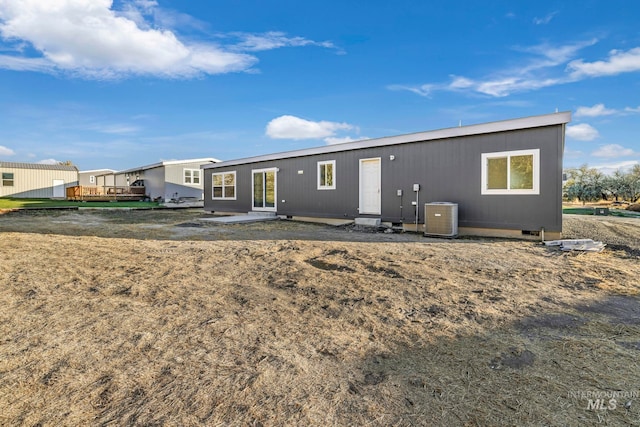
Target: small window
{"x":511,"y":172}
{"x":224,"y":186}
{"x":7,"y":179}
{"x":92,"y":179}
{"x":327,"y":175}
{"x":192,"y":176}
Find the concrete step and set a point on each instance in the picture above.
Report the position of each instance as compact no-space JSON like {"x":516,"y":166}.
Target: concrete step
{"x":368,"y":222}
{"x":261,"y":214}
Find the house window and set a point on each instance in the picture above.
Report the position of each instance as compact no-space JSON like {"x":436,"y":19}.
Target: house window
{"x":511,"y":172}
{"x":327,"y":175}
{"x":224,"y":186}
{"x":192,"y":176}
{"x":7,"y":179}
{"x":92,"y":179}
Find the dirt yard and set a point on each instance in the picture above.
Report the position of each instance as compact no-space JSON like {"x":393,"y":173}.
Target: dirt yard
{"x":156,"y":318}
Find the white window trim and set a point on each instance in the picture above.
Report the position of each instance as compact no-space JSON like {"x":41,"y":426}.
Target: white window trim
{"x":184,"y":176}
{"x":235,"y":186}
{"x":536,"y":172}
{"x":333,"y":175}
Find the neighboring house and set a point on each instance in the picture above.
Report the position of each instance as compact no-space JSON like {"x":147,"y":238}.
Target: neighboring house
{"x":96,"y":177}
{"x":33,"y":180}
{"x":506,"y":178}
{"x":177,"y":179}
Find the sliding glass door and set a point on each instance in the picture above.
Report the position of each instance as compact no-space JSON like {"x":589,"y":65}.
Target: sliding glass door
{"x":264,"y":190}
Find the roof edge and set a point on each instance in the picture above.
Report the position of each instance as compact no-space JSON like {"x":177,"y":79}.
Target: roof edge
{"x":168,"y":162}
{"x":105,"y":170}
{"x":476,"y":129}
{"x":42,"y":166}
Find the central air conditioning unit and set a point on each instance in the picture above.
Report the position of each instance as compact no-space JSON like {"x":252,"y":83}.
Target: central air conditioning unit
{"x":441,"y":219}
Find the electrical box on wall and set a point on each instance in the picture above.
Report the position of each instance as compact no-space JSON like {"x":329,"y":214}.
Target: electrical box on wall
{"x":399,"y":192}
{"x":416,"y":187}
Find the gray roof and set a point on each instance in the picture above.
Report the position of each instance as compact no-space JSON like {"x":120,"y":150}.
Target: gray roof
{"x":17,"y":165}
{"x":483,"y":128}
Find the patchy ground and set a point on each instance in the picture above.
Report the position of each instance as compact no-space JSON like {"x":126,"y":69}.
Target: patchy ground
{"x":151,"y":317}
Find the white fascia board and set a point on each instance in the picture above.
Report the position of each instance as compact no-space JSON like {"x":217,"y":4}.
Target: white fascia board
{"x":479,"y":129}
{"x":168,"y":162}
{"x":102,"y":171}
{"x":203,"y":161}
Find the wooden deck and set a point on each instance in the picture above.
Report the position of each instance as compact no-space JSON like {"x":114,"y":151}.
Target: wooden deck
{"x":104,"y":194}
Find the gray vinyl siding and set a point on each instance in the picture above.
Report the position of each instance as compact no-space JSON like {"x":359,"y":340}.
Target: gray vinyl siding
{"x":447,"y":170}
{"x":153,"y":180}
{"x":154,"y":183}
{"x":105,"y":180}
{"x":85,"y":176}
{"x":175,"y":186}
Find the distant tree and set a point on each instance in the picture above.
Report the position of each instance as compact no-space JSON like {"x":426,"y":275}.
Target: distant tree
{"x":633,"y":182}
{"x":616,"y":185}
{"x":585,"y":184}
{"x":66,"y":163}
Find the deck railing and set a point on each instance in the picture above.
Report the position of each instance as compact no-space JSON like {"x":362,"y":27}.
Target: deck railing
{"x":96,"y":193}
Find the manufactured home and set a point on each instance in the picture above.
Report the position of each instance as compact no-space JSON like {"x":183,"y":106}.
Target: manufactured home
{"x":34,"y":180}
{"x":164,"y":181}
{"x":505,"y":179}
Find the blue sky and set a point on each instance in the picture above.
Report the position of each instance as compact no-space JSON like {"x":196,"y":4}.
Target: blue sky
{"x":124,"y":83}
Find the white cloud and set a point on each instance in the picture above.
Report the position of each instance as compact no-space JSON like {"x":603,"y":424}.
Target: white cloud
{"x":541,"y":70}
{"x":545,"y":19}
{"x":617,"y":63}
{"x":136,"y":11}
{"x":291,"y":127}
{"x":14,"y":63}
{"x":273,"y":40}
{"x":4,"y":151}
{"x":461,"y":82}
{"x":422,"y":90}
{"x":549,"y":55}
{"x":114,"y":129}
{"x":48,"y":162}
{"x":89,"y":38}
{"x":632,"y":110}
{"x":613,"y":151}
{"x":507,"y":86}
{"x":595,"y":111}
{"x":610,"y":168}
{"x":582,"y":132}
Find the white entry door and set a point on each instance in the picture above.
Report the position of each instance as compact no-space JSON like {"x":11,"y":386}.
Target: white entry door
{"x":370,"y":183}
{"x":58,"y":188}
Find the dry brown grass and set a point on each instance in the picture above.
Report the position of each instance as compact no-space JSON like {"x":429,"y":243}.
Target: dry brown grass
{"x":284,"y":332}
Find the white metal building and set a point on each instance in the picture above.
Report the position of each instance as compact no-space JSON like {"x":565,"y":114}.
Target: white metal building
{"x":33,"y":180}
